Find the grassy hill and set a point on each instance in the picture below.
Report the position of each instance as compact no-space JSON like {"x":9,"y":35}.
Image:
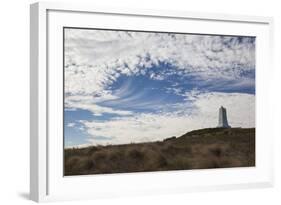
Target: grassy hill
{"x":198,"y":149}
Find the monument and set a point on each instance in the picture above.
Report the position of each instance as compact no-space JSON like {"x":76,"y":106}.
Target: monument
{"x":223,"y":118}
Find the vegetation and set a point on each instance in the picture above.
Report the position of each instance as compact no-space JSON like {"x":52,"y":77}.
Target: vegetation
{"x":199,"y":149}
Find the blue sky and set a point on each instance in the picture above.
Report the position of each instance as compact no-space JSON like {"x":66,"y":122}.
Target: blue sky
{"x":123,"y":87}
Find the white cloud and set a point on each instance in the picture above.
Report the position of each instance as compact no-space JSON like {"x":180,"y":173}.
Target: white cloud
{"x":71,"y":124}
{"x":156,"y":76}
{"x":95,"y":58}
{"x":89,"y":103}
{"x":152,"y":127}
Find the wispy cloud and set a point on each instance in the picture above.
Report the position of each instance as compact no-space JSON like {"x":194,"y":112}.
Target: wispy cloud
{"x":71,"y":124}
{"x":201,"y":113}
{"x":89,"y":103}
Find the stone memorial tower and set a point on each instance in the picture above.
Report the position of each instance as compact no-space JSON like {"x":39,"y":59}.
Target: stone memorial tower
{"x":223,"y":118}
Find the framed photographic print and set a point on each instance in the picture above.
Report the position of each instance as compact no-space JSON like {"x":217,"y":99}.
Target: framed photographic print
{"x":127,"y":102}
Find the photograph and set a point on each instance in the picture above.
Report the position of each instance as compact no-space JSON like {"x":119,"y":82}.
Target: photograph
{"x":145,"y":101}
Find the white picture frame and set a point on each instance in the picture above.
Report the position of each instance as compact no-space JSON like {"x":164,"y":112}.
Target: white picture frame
{"x":47,"y":182}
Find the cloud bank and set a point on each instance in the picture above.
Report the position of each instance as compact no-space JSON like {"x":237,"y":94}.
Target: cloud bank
{"x":95,"y":58}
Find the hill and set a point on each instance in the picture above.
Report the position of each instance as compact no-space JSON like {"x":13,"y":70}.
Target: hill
{"x":198,"y":149}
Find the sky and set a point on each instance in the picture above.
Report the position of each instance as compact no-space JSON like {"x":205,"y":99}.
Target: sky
{"x":128,"y":87}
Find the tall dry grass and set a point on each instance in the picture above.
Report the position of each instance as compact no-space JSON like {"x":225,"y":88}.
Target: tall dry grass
{"x":201,"y":149}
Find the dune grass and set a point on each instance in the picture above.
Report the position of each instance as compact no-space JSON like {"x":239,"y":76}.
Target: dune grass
{"x":199,"y":149}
